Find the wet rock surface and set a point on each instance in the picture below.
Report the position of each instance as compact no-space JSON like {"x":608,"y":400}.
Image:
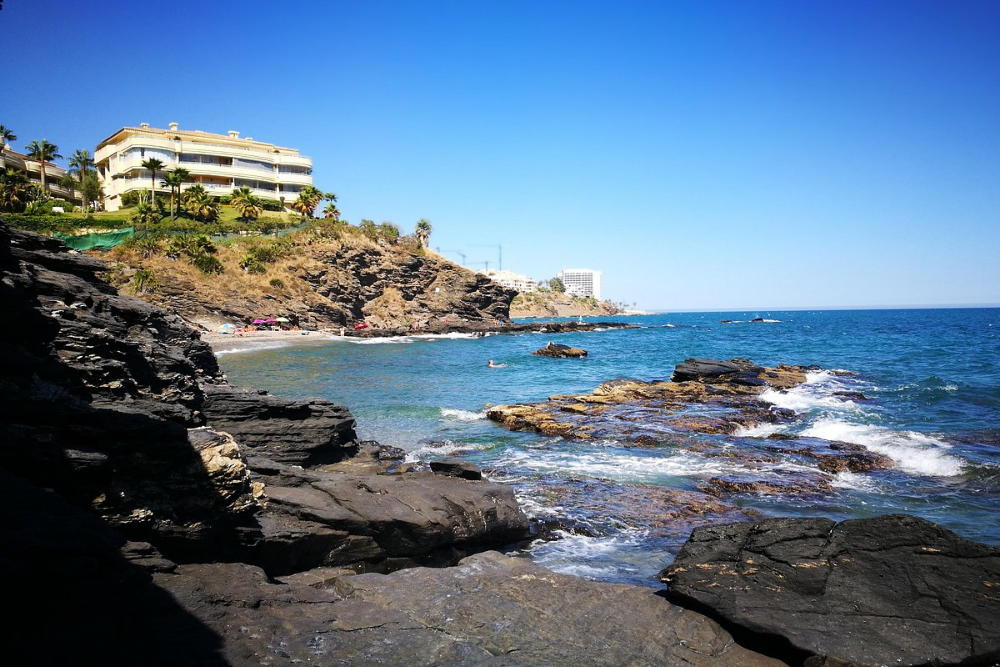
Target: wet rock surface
{"x":705,"y":397}
{"x":890,"y":590}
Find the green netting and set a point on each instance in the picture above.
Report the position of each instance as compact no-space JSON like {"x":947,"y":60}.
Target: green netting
{"x":102,"y":240}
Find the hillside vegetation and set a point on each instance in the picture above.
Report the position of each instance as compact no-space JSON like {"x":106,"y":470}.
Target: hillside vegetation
{"x":329,"y":274}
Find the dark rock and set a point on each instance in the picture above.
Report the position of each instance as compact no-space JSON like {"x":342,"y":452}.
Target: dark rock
{"x":890,"y":590}
{"x":330,"y":518}
{"x":490,"y":611}
{"x":302,"y":432}
{"x":560,"y":351}
{"x":701,"y":369}
{"x":457,"y":468}
{"x":851,"y":395}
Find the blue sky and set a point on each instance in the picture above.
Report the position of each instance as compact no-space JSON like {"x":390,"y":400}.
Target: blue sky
{"x":703,"y":155}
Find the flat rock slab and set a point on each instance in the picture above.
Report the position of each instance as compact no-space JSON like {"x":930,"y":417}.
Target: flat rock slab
{"x":491,"y":610}
{"x":890,"y":590}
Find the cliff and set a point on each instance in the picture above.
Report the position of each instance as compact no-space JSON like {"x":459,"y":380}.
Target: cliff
{"x":558,"y":304}
{"x":327,"y":276}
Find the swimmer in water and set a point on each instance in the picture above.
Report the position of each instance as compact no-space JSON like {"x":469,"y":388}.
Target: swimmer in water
{"x":492,"y":365}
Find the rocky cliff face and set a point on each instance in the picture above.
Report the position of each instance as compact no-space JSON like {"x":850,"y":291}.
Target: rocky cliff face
{"x":120,"y":409}
{"x":324,"y":282}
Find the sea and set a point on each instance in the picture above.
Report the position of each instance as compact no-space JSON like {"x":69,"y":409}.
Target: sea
{"x":923,"y":390}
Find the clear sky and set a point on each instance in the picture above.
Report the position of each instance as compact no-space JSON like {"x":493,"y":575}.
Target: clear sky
{"x":703,"y":155}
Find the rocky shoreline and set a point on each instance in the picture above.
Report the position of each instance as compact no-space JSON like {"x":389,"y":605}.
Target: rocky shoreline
{"x":161,"y":516}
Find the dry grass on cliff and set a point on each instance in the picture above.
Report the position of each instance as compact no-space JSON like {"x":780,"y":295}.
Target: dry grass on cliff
{"x":288,"y":259}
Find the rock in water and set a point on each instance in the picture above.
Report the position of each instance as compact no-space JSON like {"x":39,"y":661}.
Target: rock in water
{"x":560,"y":351}
{"x":890,"y":590}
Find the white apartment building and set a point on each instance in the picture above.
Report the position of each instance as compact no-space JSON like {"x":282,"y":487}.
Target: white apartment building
{"x":511,"y":280}
{"x":582,"y":282}
{"x":33,"y":171}
{"x":220,"y":163}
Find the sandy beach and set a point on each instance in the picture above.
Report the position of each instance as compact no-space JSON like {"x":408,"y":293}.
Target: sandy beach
{"x":248,"y":340}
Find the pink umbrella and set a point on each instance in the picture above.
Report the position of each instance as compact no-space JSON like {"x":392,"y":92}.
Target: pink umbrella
{"x":270,"y":319}
{"x":259,"y":321}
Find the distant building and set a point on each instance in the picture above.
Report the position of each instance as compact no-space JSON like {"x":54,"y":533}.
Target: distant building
{"x":31,"y":168}
{"x":582,"y":282}
{"x":511,"y":280}
{"x":219,"y":163}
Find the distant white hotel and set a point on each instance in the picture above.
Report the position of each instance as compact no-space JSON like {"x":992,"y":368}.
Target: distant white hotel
{"x":220,"y":163}
{"x":511,"y":280}
{"x":582,"y":282}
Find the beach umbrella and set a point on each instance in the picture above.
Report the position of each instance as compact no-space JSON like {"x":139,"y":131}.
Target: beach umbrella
{"x":226,"y":328}
{"x":259,"y":321}
{"x":270,"y":319}
{"x":282,"y":319}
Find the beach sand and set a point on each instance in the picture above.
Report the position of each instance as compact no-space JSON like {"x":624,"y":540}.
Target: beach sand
{"x":250,"y":340}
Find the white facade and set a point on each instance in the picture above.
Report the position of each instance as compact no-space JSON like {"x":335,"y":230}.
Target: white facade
{"x":33,"y":171}
{"x":511,"y":280}
{"x":582,"y":282}
{"x":220,"y":163}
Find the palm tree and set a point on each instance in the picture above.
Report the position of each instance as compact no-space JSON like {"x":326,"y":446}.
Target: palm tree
{"x":78,"y":163}
{"x":423,"y":231}
{"x":331,"y":211}
{"x":43,"y":151}
{"x":304,"y":205}
{"x":248,"y":206}
{"x":15,"y":190}
{"x":174,"y":180}
{"x":154,"y":166}
{"x":6,"y":136}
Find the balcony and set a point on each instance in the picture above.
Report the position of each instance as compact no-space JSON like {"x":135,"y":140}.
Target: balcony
{"x":295,"y":179}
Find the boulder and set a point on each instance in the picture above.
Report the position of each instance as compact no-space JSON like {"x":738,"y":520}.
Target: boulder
{"x":454,"y":467}
{"x":889,"y":590}
{"x":300,"y":432}
{"x":326,"y":517}
{"x":560,"y":351}
{"x":702,"y":370}
{"x":489,"y":611}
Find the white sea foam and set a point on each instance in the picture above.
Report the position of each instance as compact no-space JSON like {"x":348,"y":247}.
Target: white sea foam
{"x":816,"y":393}
{"x":912,"y":452}
{"x":440,"y":448}
{"x":387,"y":340}
{"x":446,"y":336}
{"x":619,"y":466}
{"x":586,"y":556}
{"x":854,"y":481}
{"x":758,"y":431}
{"x":463,"y":415}
{"x":250,"y":348}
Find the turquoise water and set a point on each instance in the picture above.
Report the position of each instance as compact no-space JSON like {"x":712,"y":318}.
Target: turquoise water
{"x":932,"y":377}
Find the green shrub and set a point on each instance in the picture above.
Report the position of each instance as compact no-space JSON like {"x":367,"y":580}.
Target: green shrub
{"x":144,"y":281}
{"x":278,"y":283}
{"x":250,"y":264}
{"x":53,"y":222}
{"x":208,"y":265}
{"x":133,"y":198}
{"x":224,"y":200}
{"x":271,"y":204}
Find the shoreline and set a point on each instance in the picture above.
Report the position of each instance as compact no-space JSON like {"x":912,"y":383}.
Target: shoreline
{"x":228,"y":343}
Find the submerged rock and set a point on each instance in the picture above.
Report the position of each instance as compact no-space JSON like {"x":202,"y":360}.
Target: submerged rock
{"x":890,"y":590}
